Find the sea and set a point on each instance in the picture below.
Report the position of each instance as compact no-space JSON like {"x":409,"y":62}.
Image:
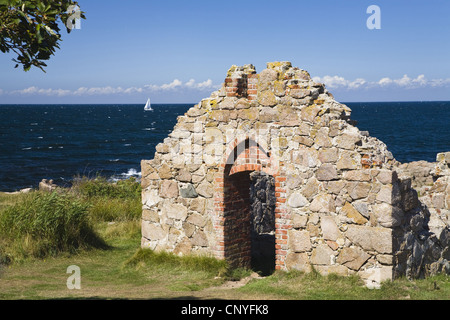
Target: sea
{"x":63,"y":142}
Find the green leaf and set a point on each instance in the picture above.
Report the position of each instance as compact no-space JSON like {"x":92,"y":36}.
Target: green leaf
{"x":31,"y":28}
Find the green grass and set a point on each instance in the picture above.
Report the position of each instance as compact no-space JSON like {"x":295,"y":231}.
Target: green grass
{"x":119,"y":201}
{"x":313,"y":286}
{"x":43,"y":224}
{"x":150,"y":259}
{"x":100,"y":187}
{"x":40,"y":224}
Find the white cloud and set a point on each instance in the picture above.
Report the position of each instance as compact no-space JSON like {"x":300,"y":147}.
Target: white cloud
{"x":440,"y":82}
{"x":205,"y":84}
{"x":47,"y":92}
{"x":176,"y":84}
{"x":384,"y":82}
{"x":357,"y":83}
{"x":338,"y":82}
{"x":407,"y":82}
{"x":332,"y":82}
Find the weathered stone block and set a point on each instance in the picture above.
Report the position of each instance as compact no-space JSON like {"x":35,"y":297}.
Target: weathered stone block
{"x":188,"y":229}
{"x":150,"y":215}
{"x":349,"y":211}
{"x":347,"y":141}
{"x":322,"y":139}
{"x":267,"y":98}
{"x":300,"y":93}
{"x":188,"y":191}
{"x":298,"y":261}
{"x":373,"y":277}
{"x":322,"y":255}
{"x":184,"y":175}
{"x":387,"y":176}
{"x":327,"y":172}
{"x":169,"y":189}
{"x":348,"y":160}
{"x":150,"y":198}
{"x":304,"y":140}
{"x":323,"y":203}
{"x":387,"y":215}
{"x":268,"y":114}
{"x":352,"y":257}
{"x":358,"y":190}
{"x":328,"y":155}
{"x":199,"y":239}
{"x":196,"y":219}
{"x":371,"y":238}
{"x":183,"y":248}
{"x":357,"y":175}
{"x":165,"y":172}
{"x":336,"y":186}
{"x":175,"y":211}
{"x":297,"y":200}
{"x":311,"y":188}
{"x":299,"y":241}
{"x":198,"y":204}
{"x":309,"y":113}
{"x":220,"y":115}
{"x":152,"y":231}
{"x":299,"y":221}
{"x":330,"y":230}
{"x":205,"y":189}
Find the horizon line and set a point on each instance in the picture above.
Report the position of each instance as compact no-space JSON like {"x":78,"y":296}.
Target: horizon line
{"x":194,"y":103}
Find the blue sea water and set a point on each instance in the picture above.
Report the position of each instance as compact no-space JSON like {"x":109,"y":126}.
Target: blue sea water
{"x":60,"y":142}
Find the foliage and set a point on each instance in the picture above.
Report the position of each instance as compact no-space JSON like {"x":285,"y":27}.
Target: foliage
{"x":41,"y":224}
{"x":100,"y":187}
{"x":30,"y":29}
{"x":119,"y":201}
{"x":45,"y":224}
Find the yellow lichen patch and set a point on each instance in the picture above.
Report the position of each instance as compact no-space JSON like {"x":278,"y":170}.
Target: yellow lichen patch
{"x":279,"y":88}
{"x":319,"y":101}
{"x":231,"y":70}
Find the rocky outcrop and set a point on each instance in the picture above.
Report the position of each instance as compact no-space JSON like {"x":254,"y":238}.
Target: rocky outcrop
{"x":47,"y":185}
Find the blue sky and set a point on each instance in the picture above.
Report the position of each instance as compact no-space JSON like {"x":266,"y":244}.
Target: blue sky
{"x":179,"y":51}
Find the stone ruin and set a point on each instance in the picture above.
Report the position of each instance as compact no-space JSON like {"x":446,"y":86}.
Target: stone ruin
{"x":270,"y":172}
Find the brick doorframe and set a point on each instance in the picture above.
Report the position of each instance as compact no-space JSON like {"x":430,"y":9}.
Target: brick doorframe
{"x":246,"y":155}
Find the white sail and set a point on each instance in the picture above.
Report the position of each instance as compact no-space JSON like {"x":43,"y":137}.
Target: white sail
{"x":148,"y":105}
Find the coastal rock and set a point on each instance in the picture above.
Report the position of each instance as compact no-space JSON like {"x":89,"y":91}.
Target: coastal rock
{"x":47,"y":185}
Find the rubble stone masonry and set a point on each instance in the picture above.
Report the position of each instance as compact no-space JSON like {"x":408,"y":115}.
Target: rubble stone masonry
{"x":342,"y":203}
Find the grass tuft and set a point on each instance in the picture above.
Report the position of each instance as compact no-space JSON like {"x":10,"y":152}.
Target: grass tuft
{"x":167,"y":260}
{"x":44,"y":224}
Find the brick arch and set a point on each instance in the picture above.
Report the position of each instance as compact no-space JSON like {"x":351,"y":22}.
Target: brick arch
{"x":244,"y":156}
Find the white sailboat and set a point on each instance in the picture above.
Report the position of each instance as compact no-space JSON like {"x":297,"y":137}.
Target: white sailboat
{"x":148,"y":106}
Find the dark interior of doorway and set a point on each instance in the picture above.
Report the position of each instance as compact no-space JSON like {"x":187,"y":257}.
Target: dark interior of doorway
{"x":262,"y":204}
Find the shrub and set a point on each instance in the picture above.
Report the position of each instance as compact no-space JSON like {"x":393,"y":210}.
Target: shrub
{"x":111,"y":209}
{"x":45,"y":224}
{"x":100,"y":187}
{"x":119,"y":201}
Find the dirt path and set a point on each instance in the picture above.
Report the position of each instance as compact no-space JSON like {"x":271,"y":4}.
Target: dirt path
{"x":227,"y":290}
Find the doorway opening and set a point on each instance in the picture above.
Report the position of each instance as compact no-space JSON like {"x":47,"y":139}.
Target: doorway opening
{"x":249,"y":224}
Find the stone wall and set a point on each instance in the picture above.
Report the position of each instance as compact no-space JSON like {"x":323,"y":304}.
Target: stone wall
{"x":342,"y":202}
{"x":423,"y":241}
